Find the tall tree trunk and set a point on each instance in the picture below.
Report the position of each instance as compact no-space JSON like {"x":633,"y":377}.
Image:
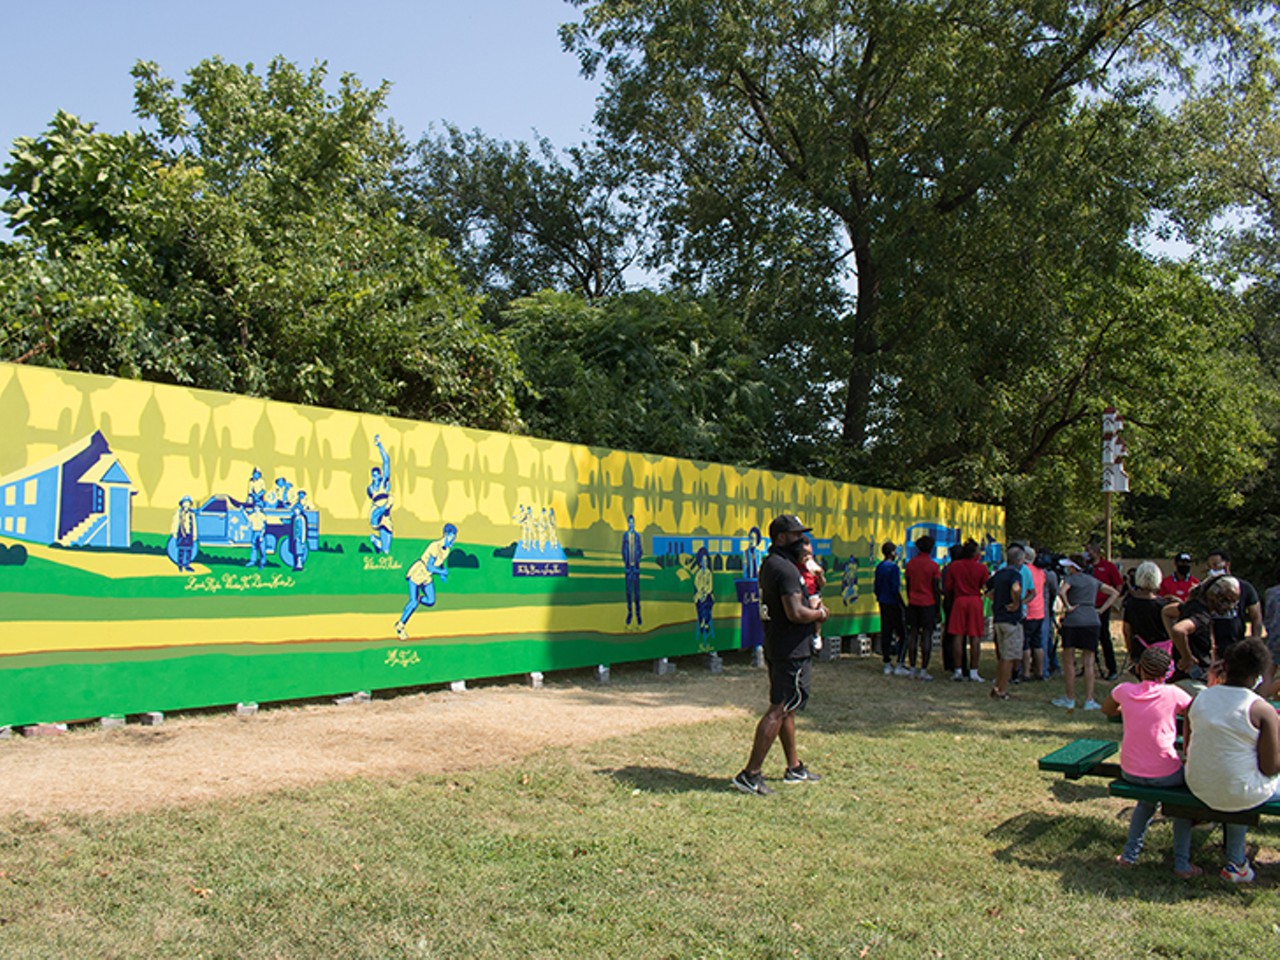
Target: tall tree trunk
{"x":864,"y":344}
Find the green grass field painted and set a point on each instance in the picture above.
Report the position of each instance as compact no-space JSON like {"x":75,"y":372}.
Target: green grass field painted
{"x":932,"y":836}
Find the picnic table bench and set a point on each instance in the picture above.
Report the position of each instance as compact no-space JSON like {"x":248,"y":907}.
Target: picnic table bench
{"x":1082,"y":758}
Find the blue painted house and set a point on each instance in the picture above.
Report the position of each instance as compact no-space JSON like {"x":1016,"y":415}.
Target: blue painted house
{"x":77,"y":497}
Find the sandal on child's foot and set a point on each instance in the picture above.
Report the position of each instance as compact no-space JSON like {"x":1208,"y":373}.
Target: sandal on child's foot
{"x":1122,"y":862}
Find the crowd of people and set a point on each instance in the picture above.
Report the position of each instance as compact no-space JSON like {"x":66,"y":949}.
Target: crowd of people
{"x":1191,"y":651}
{"x":1203,"y":652}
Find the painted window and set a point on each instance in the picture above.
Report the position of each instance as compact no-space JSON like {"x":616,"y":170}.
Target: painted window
{"x":30,"y":490}
{"x":22,"y":526}
{"x":11,"y":495}
{"x":8,"y":524}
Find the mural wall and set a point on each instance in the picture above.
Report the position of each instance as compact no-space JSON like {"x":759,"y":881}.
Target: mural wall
{"x":163,"y":547}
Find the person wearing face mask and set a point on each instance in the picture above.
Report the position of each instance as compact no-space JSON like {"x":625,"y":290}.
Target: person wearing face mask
{"x":1231,"y":626}
{"x":789,"y":623}
{"x":1190,"y":627}
{"x":1180,"y":583}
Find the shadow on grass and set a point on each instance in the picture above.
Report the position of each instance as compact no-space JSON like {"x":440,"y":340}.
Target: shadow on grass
{"x":1082,"y":851}
{"x":666,"y":780}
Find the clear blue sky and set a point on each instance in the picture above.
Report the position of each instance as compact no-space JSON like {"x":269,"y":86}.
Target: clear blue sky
{"x":492,"y":65}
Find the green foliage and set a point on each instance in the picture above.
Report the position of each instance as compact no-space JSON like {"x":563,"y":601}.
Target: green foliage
{"x":643,"y":371}
{"x":519,"y":220}
{"x":937,"y":206}
{"x":246,"y":244}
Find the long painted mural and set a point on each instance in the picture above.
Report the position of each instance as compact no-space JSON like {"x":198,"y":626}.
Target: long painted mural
{"x":165,"y":548}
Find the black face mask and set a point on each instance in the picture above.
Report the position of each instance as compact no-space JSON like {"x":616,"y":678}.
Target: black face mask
{"x":1184,"y":570}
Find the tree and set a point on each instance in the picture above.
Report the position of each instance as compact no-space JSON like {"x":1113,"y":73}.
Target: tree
{"x":883,"y":119}
{"x":246,"y":242}
{"x":520,"y":220}
{"x":659,"y":373}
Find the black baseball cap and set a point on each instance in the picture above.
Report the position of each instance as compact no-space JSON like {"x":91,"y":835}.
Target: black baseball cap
{"x":1182,"y":558}
{"x":786,"y":523}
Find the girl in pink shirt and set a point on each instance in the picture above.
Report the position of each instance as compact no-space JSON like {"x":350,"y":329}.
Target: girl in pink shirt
{"x":1147,"y":754}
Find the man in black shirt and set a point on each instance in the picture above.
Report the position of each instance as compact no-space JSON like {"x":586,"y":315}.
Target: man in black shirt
{"x":788,"y":647}
{"x":1245,"y":617}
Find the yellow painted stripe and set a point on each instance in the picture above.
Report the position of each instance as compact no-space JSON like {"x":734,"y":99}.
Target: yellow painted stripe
{"x":114,"y":566}
{"x":427,"y":624}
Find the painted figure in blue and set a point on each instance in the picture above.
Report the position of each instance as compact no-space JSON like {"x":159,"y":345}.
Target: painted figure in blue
{"x":703,"y":596}
{"x":751,"y":556}
{"x":298,"y":531}
{"x":257,"y":492}
{"x":283,"y":487}
{"x":421,"y":577}
{"x":258,"y":545}
{"x":632,"y":552}
{"x":184,"y":534}
{"x":379,"y":492}
{"x":849,"y":582}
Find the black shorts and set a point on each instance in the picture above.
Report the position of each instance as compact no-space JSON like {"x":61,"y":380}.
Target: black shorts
{"x":922,"y":618}
{"x":1081,"y":638}
{"x":789,"y":684}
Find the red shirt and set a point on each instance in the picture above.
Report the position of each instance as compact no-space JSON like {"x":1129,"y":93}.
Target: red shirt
{"x":1171,"y":586}
{"x":966,"y":578}
{"x":1104,"y":571}
{"x":922,"y":571}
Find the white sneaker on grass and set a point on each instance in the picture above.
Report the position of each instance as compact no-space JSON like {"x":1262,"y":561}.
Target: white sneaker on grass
{"x":1064,"y":702}
{"x":922,"y":675}
{"x":901,"y":671}
{"x":1092,"y":705}
{"x":888,"y":669}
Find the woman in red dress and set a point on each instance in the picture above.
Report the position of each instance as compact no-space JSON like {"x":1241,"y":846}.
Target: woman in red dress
{"x":966,"y":577}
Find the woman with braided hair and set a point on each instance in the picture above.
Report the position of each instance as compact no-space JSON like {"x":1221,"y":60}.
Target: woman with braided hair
{"x":1147,"y":753}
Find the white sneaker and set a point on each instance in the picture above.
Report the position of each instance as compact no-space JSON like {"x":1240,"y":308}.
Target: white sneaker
{"x":888,"y":669}
{"x":901,"y":671}
{"x":1092,"y":705}
{"x":922,"y":675}
{"x":1065,"y":702}
{"x":973,"y":675}
{"x":957,"y":675}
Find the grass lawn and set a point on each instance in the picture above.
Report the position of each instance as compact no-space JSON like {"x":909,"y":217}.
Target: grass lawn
{"x":931,"y":835}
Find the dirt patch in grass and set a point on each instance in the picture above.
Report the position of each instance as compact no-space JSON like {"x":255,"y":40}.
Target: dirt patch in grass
{"x":191,"y":759}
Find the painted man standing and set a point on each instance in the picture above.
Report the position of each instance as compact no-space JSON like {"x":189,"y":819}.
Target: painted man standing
{"x":788,"y":644}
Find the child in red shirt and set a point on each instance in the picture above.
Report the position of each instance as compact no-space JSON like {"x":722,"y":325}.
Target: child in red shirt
{"x":815,"y":579}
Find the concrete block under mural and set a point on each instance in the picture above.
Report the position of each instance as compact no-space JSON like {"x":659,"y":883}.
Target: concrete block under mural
{"x":165,"y":548}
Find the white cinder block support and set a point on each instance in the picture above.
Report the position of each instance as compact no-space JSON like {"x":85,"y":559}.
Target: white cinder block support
{"x":535,"y":680}
{"x":663,"y":667}
{"x":152,"y":718}
{"x":112,"y":722}
{"x":715,"y":663}
{"x":602,"y":673}
{"x":458,"y":686}
{"x":246,"y":709}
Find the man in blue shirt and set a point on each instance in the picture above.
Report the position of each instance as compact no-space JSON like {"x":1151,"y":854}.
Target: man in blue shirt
{"x":888,"y":590}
